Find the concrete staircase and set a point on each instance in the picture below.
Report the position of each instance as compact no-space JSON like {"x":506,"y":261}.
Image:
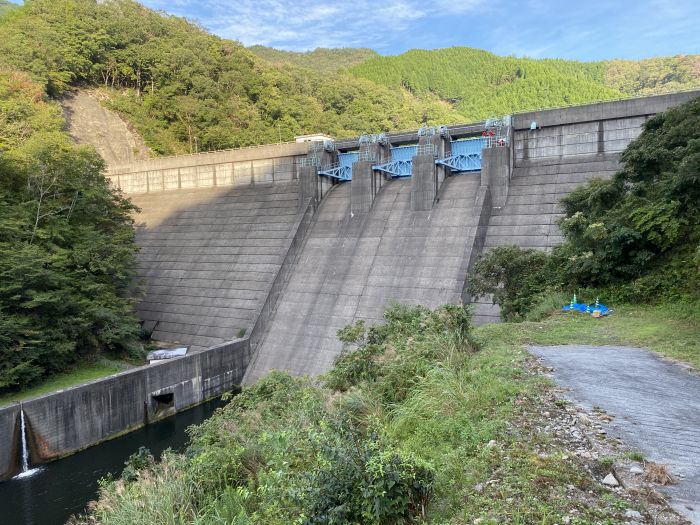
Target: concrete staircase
{"x":532,"y":208}
{"x":352,"y":268}
{"x":208,"y":257}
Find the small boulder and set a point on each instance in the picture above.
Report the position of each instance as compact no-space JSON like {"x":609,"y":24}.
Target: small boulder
{"x":633,"y":515}
{"x":611,"y":481}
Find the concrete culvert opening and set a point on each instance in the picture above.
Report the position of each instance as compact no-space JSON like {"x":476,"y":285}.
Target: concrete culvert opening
{"x":163,"y":401}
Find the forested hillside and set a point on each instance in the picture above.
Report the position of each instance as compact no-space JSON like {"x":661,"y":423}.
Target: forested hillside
{"x":321,"y":59}
{"x":185,"y":90}
{"x":480,"y":84}
{"x":66,"y":245}
{"x":653,"y":75}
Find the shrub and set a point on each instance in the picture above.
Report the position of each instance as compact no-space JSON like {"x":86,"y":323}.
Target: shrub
{"x":516,"y":278}
{"x":362,"y":480}
{"x":617,"y":230}
{"x":393,"y":355}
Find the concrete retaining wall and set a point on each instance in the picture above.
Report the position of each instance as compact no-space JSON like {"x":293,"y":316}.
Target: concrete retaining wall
{"x":9,"y":440}
{"x":70,"y":420}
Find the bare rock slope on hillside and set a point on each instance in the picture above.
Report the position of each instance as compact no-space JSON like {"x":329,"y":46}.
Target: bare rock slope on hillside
{"x":91,"y":123}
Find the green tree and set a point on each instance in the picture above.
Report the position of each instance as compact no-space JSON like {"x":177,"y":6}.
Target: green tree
{"x":67,"y":251}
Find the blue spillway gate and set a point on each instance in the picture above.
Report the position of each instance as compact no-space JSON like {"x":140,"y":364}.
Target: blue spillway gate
{"x":465,"y":157}
{"x":401,"y":162}
{"x":341,"y":170}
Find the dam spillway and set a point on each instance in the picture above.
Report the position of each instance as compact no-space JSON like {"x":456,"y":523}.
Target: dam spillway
{"x":352,"y":267}
{"x":210,"y":254}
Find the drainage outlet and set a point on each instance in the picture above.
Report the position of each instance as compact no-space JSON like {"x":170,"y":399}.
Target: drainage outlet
{"x":163,"y":402}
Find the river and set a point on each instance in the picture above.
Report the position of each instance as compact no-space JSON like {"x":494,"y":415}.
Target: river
{"x":64,"y":487}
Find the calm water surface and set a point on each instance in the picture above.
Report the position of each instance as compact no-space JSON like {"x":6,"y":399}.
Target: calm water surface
{"x":64,"y":487}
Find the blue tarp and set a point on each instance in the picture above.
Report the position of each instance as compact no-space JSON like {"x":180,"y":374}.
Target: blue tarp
{"x":586,"y":308}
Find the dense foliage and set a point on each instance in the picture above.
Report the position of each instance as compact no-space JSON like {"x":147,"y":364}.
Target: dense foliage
{"x":185,"y":90}
{"x":412,"y":425}
{"x":515,"y":277}
{"x":288,"y":451}
{"x":636,"y":235}
{"x":480,"y":85}
{"x":653,"y":75}
{"x":66,"y":244}
{"x":320,"y":59}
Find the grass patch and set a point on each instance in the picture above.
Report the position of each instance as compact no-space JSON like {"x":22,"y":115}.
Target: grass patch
{"x":670,"y":330}
{"x":635,"y":455}
{"x":81,"y":373}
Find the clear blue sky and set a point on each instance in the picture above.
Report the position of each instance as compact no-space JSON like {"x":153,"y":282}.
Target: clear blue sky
{"x":574,"y":29}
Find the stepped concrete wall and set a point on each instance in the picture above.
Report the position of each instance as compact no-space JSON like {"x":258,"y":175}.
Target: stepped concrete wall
{"x":208,"y":257}
{"x":569,"y":147}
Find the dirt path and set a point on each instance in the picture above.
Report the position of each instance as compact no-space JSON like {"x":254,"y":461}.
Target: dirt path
{"x":654,"y":405}
{"x":91,"y":123}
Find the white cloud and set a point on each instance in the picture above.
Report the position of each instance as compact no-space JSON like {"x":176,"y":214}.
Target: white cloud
{"x":307,"y":24}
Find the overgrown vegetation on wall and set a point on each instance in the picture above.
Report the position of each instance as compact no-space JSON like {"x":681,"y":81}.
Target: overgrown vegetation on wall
{"x":66,"y":244}
{"x":635,"y":237}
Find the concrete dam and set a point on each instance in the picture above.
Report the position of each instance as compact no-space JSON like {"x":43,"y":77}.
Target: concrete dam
{"x":254,"y":258}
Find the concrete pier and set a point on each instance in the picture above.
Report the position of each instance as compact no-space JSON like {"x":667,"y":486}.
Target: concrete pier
{"x":366,"y":183}
{"x":428,"y":177}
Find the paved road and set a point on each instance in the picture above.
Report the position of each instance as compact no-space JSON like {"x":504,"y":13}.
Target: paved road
{"x":655,"y":405}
